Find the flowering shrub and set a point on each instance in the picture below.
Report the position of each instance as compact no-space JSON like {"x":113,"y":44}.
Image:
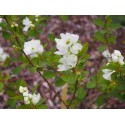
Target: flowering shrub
{"x":64,"y":64}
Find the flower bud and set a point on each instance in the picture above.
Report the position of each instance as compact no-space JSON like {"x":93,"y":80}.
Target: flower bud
{"x":25,"y":93}
{"x":12,"y":26}
{"x":21,"y":90}
{"x":36,"y":19}
{"x":26,"y":99}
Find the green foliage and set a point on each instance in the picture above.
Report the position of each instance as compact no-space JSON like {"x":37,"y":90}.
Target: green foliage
{"x":105,"y":34}
{"x":59,"y":81}
{"x":1,"y":86}
{"x":100,"y":100}
{"x":90,"y":85}
{"x":99,"y":22}
{"x":81,"y":93}
{"x":69,"y":77}
{"x":17,"y":70}
{"x":49,"y":74}
{"x":6,"y":35}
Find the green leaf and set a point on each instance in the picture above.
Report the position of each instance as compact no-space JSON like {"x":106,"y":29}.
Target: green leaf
{"x":84,"y":50}
{"x":69,"y":77}
{"x":59,"y":81}
{"x":85,"y":57}
{"x":101,"y":48}
{"x":49,"y":74}
{"x":81,"y":93}
{"x":20,"y":82}
{"x":35,"y":88}
{"x":112,"y":66}
{"x":99,"y":36}
{"x":91,"y":85}
{"x":12,"y":103}
{"x":111,"y":39}
{"x":108,"y":21}
{"x":17,"y":97}
{"x":100,"y":100}
{"x":99,"y":22}
{"x":115,"y":26}
{"x":32,"y":69}
{"x":6,"y":35}
{"x":1,"y":86}
{"x":17,"y":70}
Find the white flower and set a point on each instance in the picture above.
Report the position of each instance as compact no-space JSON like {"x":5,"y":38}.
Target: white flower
{"x":27,"y":23}
{"x":35,"y":98}
{"x":107,"y":74}
{"x":67,"y":47}
{"x":106,"y":54}
{"x":3,"y":55}
{"x":28,"y":98}
{"x":33,"y":48}
{"x":117,"y":57}
{"x":23,"y":89}
{"x":67,"y":40}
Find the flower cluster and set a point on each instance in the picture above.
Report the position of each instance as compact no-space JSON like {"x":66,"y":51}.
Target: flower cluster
{"x":14,"y":25}
{"x":27,"y":23}
{"x":68,"y":47}
{"x":33,"y":48}
{"x":29,"y":98}
{"x":115,"y":57}
{"x":3,"y":55}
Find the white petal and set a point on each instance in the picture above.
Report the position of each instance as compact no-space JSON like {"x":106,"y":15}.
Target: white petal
{"x":30,"y":96}
{"x":35,"y":98}
{"x":106,"y":54}
{"x":62,"y":67}
{"x":26,"y":99}
{"x":25,"y":29}
{"x":25,"y":93}
{"x":76,"y":48}
{"x":21,"y":89}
